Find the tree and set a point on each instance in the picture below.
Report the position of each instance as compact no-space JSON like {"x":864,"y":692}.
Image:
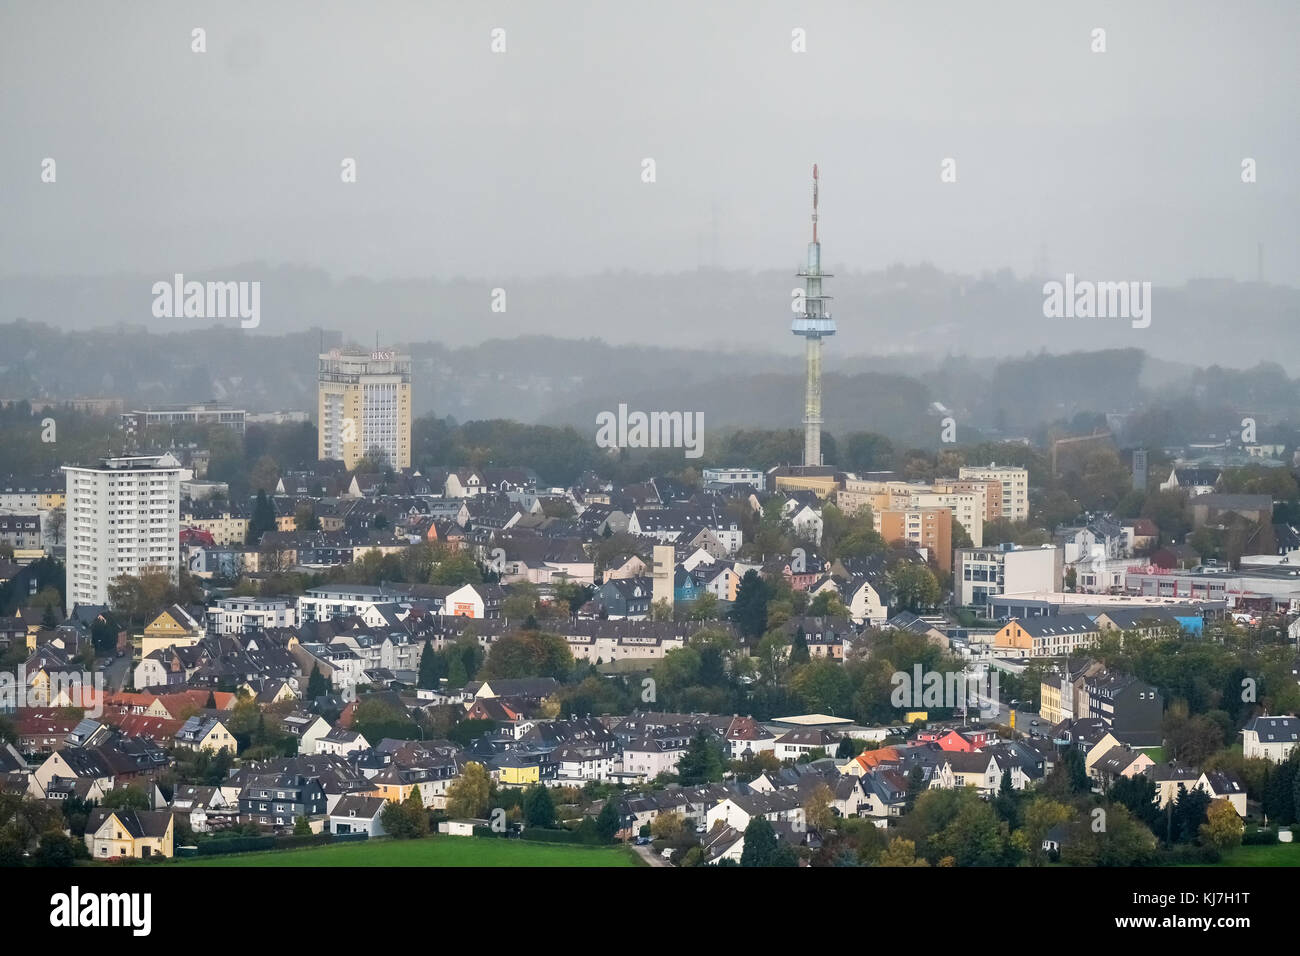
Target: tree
{"x":760,"y":843}
{"x":900,"y":852}
{"x":302,"y":826}
{"x":469,"y":794}
{"x":828,"y":604}
{"x":263,"y":518}
{"x":750,"y":609}
{"x":817,"y":808}
{"x":974,"y":837}
{"x":915,"y":586}
{"x":305,"y":519}
{"x":455,"y":569}
{"x":265,"y":474}
{"x":799,"y":648}
{"x":1140,"y":796}
{"x":528,"y":653}
{"x":1040,"y":816}
{"x":1190,"y":811}
{"x":138,"y":596}
{"x":824,"y":686}
{"x":1222,"y":828}
{"x":539,"y":809}
{"x":430,"y":666}
{"x":704,"y":607}
{"x":399,"y":822}
{"x":125,"y":798}
{"x":607,"y":822}
{"x":1123,"y":842}
{"x":103,"y":633}
{"x":849,"y":748}
{"x":317,"y":686}
{"x":57,"y":849}
{"x":670,"y":827}
{"x":701,"y":763}
{"x":58,"y":520}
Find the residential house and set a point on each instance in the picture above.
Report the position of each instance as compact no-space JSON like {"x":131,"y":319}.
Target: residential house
{"x":358,"y":814}
{"x":131,"y":834}
{"x":1272,"y":738}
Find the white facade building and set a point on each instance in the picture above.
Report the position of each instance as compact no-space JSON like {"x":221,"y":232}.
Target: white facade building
{"x":122,"y":517}
{"x":1015,"y":486}
{"x":981,"y":573}
{"x":248,"y":615}
{"x":735,"y":476}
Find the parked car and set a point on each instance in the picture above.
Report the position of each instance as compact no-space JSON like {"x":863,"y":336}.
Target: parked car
{"x":642,"y":841}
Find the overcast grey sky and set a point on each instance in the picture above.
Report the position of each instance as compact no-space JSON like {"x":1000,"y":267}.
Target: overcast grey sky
{"x":1123,"y":164}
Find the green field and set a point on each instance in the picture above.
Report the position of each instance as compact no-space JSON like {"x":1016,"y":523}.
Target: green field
{"x":433,"y":851}
{"x":1277,"y":854}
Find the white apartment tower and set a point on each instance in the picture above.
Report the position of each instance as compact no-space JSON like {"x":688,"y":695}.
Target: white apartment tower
{"x":123,"y":516}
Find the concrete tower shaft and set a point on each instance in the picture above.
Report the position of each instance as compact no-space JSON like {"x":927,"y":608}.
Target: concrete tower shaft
{"x":814,"y":323}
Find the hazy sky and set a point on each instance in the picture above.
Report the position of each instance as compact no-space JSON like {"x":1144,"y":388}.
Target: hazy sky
{"x":1122,"y":165}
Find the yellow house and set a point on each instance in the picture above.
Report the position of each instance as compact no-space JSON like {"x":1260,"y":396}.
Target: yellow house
{"x":173,"y":626}
{"x":1099,"y":750}
{"x":269,"y":691}
{"x":135,"y":834}
{"x":396,"y":785}
{"x":516,"y":771}
{"x":389,"y":786}
{"x":206,"y":733}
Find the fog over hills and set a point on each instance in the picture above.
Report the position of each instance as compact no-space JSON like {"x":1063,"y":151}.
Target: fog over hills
{"x":902,"y":313}
{"x":559,"y":381}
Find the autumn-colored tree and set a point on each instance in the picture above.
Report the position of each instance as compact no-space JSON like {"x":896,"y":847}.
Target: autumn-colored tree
{"x":469,"y":794}
{"x":817,"y":808}
{"x":1222,"y":828}
{"x":900,"y":852}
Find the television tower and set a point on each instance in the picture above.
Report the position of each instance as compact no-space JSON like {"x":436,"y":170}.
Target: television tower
{"x":813,"y":325}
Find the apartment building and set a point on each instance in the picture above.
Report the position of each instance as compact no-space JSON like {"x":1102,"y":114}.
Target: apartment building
{"x":1014,"y":482}
{"x":20,"y":531}
{"x":990,"y":492}
{"x":734,"y":476}
{"x":929,"y":528}
{"x":31,"y":494}
{"x":878,"y":495}
{"x":249,"y":615}
{"x":139,"y":422}
{"x":364,"y":403}
{"x":981,"y":573}
{"x":123,"y":516}
{"x":967,"y":507}
{"x":967,"y":500}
